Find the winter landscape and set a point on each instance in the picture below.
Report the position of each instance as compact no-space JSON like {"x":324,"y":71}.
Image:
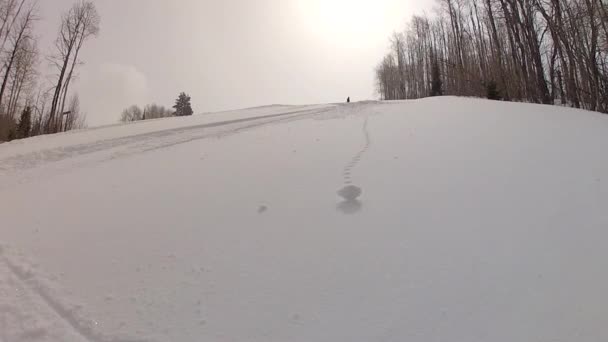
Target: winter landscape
{"x":465,"y":198}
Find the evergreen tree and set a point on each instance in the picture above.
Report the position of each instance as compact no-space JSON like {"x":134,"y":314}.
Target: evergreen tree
{"x":436,"y":83}
{"x":25,"y":123}
{"x":183,"y":107}
{"x":11,"y":135}
{"x":492,"y":91}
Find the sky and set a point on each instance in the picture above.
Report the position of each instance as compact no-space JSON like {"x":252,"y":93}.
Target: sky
{"x":229,"y":54}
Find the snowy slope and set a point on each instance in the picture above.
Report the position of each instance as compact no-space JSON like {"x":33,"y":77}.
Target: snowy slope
{"x":478,"y":221}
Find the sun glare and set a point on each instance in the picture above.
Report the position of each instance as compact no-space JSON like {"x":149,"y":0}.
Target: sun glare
{"x":331,"y":18}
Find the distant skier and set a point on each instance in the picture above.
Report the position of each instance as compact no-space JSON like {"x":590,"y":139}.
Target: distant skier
{"x":348,"y":100}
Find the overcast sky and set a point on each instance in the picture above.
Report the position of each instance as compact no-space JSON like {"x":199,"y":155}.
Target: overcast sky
{"x":230,"y":54}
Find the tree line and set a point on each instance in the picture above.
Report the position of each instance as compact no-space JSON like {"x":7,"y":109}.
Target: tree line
{"x":543,"y":51}
{"x":30,"y":103}
{"x":182,"y":107}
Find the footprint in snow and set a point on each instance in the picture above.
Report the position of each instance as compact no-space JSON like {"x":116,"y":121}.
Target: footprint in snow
{"x":351,"y":204}
{"x":351,"y":193}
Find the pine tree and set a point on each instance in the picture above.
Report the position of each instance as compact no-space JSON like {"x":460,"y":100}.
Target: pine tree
{"x":25,"y":123}
{"x":492,"y":91}
{"x":183,"y":107}
{"x":436,"y":83}
{"x":11,"y":135}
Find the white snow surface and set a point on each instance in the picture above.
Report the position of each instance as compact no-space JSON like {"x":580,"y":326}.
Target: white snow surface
{"x":464,"y":220}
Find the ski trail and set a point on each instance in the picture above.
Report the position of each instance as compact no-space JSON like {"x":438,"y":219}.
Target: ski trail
{"x":146,"y":141}
{"x":348,"y":169}
{"x":24,"y":168}
{"x":85,"y":329}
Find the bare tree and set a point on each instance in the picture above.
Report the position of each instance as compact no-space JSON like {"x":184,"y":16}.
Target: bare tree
{"x":398,"y":45}
{"x":525,"y":50}
{"x":155,"y":111}
{"x":76,"y":119}
{"x":79,"y":24}
{"x":40,"y":113}
{"x":131,"y":114}
{"x":21,"y":43}
{"x":9,"y":12}
{"x":23,"y":80}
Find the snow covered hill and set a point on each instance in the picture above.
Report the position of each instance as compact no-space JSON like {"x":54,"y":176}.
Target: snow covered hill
{"x":477,"y":221}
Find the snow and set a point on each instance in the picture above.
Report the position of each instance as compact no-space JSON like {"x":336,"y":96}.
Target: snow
{"x":444,"y":219}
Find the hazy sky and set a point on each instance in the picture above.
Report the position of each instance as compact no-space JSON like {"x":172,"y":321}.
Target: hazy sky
{"x":230,"y":54}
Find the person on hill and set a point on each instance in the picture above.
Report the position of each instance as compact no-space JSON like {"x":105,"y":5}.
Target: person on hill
{"x":348,"y":100}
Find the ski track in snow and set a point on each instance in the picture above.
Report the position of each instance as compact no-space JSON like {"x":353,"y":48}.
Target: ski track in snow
{"x":115,"y":148}
{"x":34,"y":327}
{"x":145,"y":142}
